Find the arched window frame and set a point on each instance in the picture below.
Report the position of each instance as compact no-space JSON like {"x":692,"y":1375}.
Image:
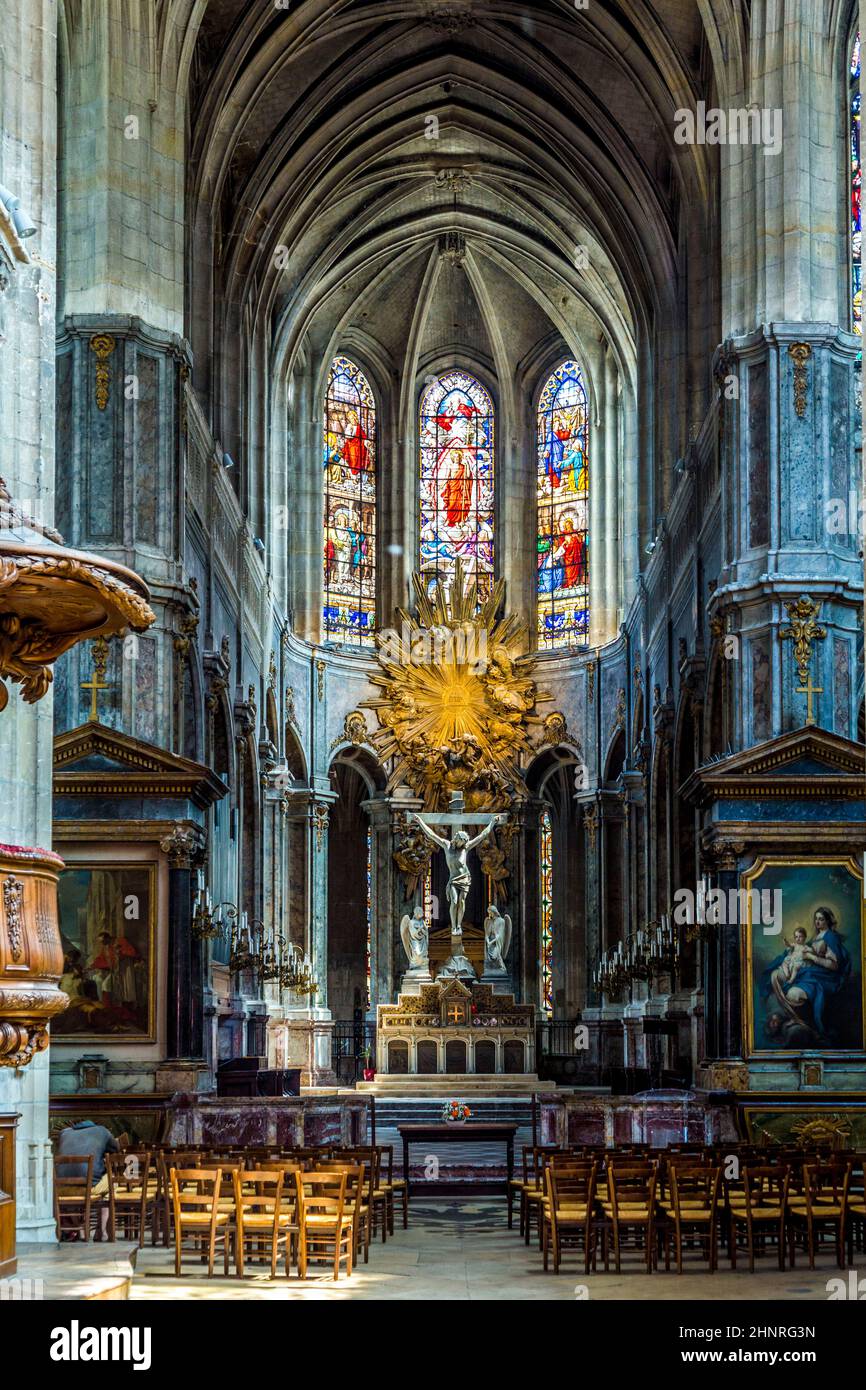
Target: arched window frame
{"x":562,"y":495}
{"x":349,"y":567}
{"x":437,"y":551}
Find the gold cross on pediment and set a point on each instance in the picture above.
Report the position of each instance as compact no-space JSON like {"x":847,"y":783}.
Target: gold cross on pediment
{"x":96,"y":683}
{"x":455,"y":1013}
{"x":808,"y":689}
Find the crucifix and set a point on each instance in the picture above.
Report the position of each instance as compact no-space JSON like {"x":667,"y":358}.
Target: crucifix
{"x":808,"y":689}
{"x":96,"y":683}
{"x":457,"y":819}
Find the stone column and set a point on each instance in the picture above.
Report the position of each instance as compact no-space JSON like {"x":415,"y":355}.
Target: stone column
{"x":524,"y":900}
{"x":184,"y":1068}
{"x":383,"y":982}
{"x":28,"y":152}
{"x":788,"y":387}
{"x":308,"y":1020}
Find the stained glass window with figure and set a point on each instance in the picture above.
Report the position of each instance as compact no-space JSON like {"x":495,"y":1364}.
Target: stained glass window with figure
{"x":349,"y":559}
{"x":563,"y":509}
{"x":457,"y":481}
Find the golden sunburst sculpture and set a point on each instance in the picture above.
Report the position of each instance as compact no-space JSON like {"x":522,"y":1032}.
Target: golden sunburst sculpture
{"x":457,"y":700}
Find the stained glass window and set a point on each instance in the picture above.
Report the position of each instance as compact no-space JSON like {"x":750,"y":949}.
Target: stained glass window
{"x":369,"y":915}
{"x":856,"y":179}
{"x":546,"y":885}
{"x":456,"y":433}
{"x":349,"y":612}
{"x":563,"y":509}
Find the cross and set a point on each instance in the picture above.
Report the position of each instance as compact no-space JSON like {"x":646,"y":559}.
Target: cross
{"x":808,"y":689}
{"x":95,"y":684}
{"x":456,"y":815}
{"x":455,"y":1013}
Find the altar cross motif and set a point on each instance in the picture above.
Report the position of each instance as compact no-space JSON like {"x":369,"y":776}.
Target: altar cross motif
{"x":96,"y":683}
{"x":455,"y":1013}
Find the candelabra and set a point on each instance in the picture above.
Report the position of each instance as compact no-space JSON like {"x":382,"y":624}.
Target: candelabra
{"x":253,"y":946}
{"x":210,"y":921}
{"x":647,"y":952}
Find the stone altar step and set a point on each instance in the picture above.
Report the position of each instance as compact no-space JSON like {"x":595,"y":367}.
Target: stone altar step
{"x":457,"y":1086}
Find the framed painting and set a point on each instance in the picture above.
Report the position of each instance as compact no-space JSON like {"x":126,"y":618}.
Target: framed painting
{"x":107,"y":916}
{"x":803,"y":966}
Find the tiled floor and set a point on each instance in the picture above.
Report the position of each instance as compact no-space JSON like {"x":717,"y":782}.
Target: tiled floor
{"x":462,"y":1249}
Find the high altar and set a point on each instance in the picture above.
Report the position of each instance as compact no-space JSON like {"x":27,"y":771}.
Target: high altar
{"x":455,"y":1027}
{"x":455,"y":731}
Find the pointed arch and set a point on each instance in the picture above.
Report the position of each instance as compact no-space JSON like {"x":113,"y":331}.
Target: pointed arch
{"x":562,"y":501}
{"x":349,"y":460}
{"x":457,"y":480}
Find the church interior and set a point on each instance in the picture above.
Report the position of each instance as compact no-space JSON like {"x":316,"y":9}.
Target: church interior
{"x":433,"y":781}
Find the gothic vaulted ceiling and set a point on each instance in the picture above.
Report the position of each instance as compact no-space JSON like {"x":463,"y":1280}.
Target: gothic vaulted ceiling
{"x":496,"y":181}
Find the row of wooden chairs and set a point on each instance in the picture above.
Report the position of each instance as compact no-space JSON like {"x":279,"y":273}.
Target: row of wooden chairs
{"x":689,"y":1197}
{"x":138,"y":1192}
{"x":306,"y":1214}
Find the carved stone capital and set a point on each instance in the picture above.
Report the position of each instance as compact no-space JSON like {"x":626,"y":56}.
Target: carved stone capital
{"x":184,"y":846}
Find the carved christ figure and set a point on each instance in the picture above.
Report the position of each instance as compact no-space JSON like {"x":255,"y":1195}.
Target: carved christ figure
{"x":459,"y":877}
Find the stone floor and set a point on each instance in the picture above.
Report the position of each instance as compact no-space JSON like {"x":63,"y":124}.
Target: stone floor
{"x":74,"y":1270}
{"x":461,"y":1248}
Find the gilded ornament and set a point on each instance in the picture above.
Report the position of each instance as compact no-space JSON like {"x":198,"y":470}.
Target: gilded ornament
{"x":456,"y":701}
{"x":102,"y":345}
{"x":800,"y":354}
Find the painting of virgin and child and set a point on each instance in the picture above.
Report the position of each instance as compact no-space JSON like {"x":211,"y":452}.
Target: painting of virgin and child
{"x":807,"y":981}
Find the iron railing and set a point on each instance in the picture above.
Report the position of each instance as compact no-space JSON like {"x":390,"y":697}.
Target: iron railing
{"x":350,"y":1042}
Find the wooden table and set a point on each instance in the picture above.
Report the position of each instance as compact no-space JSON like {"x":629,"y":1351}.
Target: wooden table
{"x":473,"y":1132}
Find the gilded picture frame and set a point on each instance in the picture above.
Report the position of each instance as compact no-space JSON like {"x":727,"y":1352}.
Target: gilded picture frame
{"x":793,"y":1004}
{"x":107,"y":919}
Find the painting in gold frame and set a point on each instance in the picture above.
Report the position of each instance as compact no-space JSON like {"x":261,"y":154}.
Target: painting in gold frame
{"x":803,"y":986}
{"x":107,"y":915}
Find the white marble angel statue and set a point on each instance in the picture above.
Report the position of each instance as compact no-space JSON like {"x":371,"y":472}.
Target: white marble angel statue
{"x":413,"y":933}
{"x":497,"y":939}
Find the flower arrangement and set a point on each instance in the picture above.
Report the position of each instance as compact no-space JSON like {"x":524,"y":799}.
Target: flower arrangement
{"x":456,"y":1112}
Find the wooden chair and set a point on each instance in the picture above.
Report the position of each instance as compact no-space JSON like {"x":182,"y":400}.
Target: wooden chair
{"x":261,"y":1219}
{"x":393,"y":1187}
{"x":822,"y":1204}
{"x":568,"y":1212}
{"x":533,"y":1189}
{"x":132,"y":1194}
{"x":75,"y":1207}
{"x":166,"y":1159}
{"x":323,"y":1219}
{"x":195,"y":1195}
{"x":759,"y":1210}
{"x":692,"y":1210}
{"x":374,"y":1196}
{"x":357,"y":1204}
{"x":856,"y":1223}
{"x":630,"y":1205}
